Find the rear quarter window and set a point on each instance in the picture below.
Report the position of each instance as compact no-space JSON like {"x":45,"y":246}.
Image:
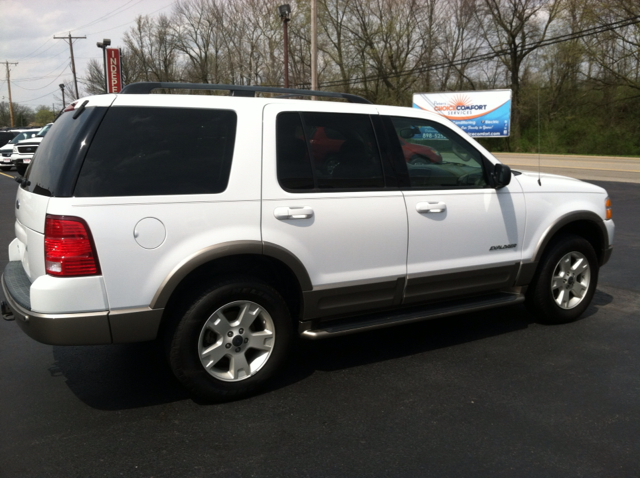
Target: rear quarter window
{"x":143,"y":151}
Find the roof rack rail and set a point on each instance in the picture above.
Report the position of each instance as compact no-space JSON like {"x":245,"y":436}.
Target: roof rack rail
{"x":236,"y":90}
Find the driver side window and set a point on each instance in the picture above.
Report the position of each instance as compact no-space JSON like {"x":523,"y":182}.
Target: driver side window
{"x":436,"y":157}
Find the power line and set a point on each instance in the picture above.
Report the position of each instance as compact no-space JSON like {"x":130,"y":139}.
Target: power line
{"x":45,"y":86}
{"x":493,"y":54}
{"x":39,"y":97}
{"x":36,"y":78}
{"x":30,"y":54}
{"x":105,"y":16}
{"x":133,"y":21}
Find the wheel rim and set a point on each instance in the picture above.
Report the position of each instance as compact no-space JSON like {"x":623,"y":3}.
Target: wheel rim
{"x":417,"y":159}
{"x":236,"y":341}
{"x":570,"y":280}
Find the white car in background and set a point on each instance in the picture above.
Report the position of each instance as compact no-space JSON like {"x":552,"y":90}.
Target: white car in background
{"x":7,"y":149}
{"x":24,"y":150}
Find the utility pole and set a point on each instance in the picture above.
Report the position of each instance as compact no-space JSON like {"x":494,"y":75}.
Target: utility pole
{"x":285,"y":11}
{"x":9,"y":88}
{"x":73,"y":63}
{"x":314,"y":45}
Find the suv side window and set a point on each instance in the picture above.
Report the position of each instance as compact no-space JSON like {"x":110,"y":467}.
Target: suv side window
{"x":327,"y":152}
{"x":437,"y":157}
{"x":144,"y":151}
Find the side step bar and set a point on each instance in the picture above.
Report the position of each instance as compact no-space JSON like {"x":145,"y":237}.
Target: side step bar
{"x":334,"y":328}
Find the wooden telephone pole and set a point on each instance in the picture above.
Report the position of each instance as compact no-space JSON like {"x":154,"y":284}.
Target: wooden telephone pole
{"x":73,"y":63}
{"x":9,"y":88}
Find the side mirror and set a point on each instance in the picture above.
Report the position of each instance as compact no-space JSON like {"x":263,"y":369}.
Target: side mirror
{"x":501,"y":175}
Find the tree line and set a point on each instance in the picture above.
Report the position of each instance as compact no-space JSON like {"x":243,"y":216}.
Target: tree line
{"x":573,"y":65}
{"x":24,"y":116}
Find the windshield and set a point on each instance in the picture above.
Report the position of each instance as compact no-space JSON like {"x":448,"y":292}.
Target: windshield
{"x":20,"y":137}
{"x":44,"y":130}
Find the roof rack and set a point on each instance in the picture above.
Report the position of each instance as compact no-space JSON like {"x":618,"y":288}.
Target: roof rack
{"x":250,"y":91}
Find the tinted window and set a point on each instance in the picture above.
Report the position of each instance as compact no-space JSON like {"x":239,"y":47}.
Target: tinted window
{"x":294,"y":165}
{"x":55,"y":164}
{"x":141,"y":151}
{"x":327,"y":151}
{"x":437,"y":157}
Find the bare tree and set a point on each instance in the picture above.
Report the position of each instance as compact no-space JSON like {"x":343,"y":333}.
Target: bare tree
{"x":197,"y":26}
{"x":151,"y":50}
{"x":460,"y":44}
{"x":513,"y":29}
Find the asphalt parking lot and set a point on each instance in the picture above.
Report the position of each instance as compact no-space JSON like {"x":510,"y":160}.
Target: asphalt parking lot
{"x":486,"y":394}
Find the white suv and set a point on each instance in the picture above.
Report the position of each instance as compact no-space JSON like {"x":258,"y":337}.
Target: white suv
{"x":224,"y":226}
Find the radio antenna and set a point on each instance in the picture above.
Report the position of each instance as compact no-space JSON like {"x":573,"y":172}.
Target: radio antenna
{"x":539,"y":182}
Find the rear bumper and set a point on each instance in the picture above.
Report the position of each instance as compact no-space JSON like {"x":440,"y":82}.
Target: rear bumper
{"x":55,"y":329}
{"x":83,"y":328}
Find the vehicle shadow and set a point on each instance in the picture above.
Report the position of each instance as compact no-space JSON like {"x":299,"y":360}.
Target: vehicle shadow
{"x":117,"y":377}
{"x":126,"y":376}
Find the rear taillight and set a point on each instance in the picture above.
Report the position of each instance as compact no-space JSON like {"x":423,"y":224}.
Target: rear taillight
{"x":69,"y":250}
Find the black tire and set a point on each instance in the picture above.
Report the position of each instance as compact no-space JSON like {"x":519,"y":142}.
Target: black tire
{"x":563,"y":288}
{"x":21,"y":169}
{"x":5,"y":168}
{"x":232,"y":352}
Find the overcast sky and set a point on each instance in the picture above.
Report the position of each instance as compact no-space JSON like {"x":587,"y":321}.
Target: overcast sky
{"x":27,"y":28}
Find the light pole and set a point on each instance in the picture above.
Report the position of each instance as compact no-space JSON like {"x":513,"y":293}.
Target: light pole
{"x":314,"y":45}
{"x":285,"y":11}
{"x":61,"y":85}
{"x":103,"y":45}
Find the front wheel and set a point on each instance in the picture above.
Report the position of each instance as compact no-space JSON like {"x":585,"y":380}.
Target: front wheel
{"x":231,"y":341}
{"x":566,"y":282}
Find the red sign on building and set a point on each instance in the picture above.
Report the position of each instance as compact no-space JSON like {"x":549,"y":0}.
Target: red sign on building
{"x":114,"y":76}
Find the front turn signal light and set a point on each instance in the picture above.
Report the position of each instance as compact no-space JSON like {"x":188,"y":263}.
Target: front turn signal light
{"x":607,"y":204}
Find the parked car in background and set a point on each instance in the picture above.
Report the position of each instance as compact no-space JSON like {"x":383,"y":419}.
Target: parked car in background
{"x":24,"y":150}
{"x":7,"y":150}
{"x":6,"y":136}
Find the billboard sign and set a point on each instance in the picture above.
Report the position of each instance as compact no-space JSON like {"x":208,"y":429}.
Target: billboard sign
{"x":114,"y":75}
{"x":478,"y":113}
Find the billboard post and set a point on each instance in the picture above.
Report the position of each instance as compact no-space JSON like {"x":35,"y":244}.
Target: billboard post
{"x":114,"y":74}
{"x":481,"y":114}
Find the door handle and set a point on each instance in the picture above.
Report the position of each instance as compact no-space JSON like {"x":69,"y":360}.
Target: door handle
{"x":431,"y":207}
{"x":293,"y":212}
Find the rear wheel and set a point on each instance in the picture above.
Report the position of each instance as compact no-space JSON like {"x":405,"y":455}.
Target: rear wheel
{"x":566,"y":282}
{"x":231,"y":340}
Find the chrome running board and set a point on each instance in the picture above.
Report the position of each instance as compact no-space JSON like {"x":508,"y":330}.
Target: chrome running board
{"x":315,"y":329}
